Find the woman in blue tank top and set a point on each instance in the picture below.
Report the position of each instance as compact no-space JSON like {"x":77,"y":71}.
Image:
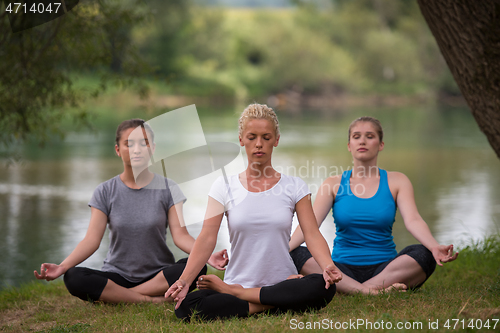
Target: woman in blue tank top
{"x":364,"y":202}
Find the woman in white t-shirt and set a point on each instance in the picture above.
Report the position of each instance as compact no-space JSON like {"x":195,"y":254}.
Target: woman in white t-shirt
{"x":259,"y":204}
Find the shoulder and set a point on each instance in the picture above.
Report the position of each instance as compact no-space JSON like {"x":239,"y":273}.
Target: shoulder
{"x":223,"y":182}
{"x":297,"y":181}
{"x":160,"y":182}
{"x":398,"y":180}
{"x":397,"y":176}
{"x":331,"y":185}
{"x":108,"y":184}
{"x":170,"y":182}
{"x":294,"y":187}
{"x":104,"y":193}
{"x":333,"y":180}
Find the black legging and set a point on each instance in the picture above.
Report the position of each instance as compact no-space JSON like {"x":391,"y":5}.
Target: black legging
{"x":88,"y":284}
{"x":361,"y":273}
{"x":298,"y":295}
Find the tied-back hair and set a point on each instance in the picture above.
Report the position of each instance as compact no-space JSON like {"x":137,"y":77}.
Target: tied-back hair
{"x":258,"y":111}
{"x":133,"y":123}
{"x":375,"y":122}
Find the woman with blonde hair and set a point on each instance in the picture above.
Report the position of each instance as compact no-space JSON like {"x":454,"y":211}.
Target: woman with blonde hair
{"x":259,"y":204}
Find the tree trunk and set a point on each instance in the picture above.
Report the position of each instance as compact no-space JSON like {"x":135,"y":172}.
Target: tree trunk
{"x":468,"y":35}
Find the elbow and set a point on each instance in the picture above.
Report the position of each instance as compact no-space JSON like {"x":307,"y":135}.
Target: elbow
{"x":90,"y":244}
{"x":95,"y":247}
{"x":180,"y":244}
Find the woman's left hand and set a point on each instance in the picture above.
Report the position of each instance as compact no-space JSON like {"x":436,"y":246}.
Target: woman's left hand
{"x":177,"y":292}
{"x":332,"y":275}
{"x":443,"y":253}
{"x":219,"y":260}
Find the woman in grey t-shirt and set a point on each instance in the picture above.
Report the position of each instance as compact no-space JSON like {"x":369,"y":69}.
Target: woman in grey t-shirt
{"x":137,"y":206}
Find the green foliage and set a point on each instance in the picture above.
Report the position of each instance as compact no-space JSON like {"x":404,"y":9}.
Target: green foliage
{"x":356,"y":46}
{"x":389,"y":41}
{"x":162,"y":44}
{"x":316,"y":47}
{"x":36,"y":91}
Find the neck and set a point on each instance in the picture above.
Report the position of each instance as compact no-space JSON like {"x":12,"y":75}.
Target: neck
{"x":365,"y":170}
{"x":259,"y":170}
{"x":140,"y":181}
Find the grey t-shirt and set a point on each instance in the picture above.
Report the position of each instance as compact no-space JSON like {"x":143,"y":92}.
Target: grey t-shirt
{"x":137,"y":220}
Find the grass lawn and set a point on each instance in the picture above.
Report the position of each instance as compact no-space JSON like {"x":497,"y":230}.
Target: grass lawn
{"x":461,"y":296}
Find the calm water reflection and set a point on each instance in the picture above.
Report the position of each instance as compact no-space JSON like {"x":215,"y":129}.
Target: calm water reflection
{"x":43,"y":198}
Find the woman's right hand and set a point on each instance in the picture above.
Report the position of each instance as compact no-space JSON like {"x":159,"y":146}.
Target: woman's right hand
{"x":50,"y":272}
{"x":177,"y":292}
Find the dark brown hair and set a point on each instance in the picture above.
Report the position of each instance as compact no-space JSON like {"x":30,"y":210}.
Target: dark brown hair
{"x":375,"y":122}
{"x":133,"y":123}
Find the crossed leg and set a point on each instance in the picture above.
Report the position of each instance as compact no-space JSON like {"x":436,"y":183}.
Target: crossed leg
{"x":157,"y":286}
{"x":399,"y":274}
{"x":251,"y":295}
{"x":217,"y":299}
{"x":93,"y":285}
{"x":114,"y":293}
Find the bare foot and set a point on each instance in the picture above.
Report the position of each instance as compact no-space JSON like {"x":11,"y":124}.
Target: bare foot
{"x":214,"y":282}
{"x":401,"y":287}
{"x":375,"y":290}
{"x":160,"y":299}
{"x":295,"y":276}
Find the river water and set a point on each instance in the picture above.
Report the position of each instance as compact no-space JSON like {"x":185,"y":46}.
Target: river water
{"x":455,"y":174}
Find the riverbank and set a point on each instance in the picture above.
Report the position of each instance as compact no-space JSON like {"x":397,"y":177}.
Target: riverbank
{"x":163,"y":97}
{"x":462,"y":295}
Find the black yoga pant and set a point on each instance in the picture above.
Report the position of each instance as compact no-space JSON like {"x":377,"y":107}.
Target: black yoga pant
{"x":298,"y":295}
{"x":88,"y":284}
{"x":363,"y":273}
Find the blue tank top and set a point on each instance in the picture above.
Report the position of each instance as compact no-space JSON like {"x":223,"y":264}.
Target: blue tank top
{"x":364,"y":225}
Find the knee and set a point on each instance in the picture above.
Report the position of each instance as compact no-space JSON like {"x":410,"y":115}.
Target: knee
{"x":184,"y":311}
{"x":318,"y":290}
{"x":193,"y":304}
{"x":73,"y":280}
{"x":427,"y":258}
{"x":422,"y":256}
{"x":82,"y":283}
{"x":209,"y":305}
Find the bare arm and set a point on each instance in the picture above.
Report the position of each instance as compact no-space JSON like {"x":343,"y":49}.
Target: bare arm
{"x":316,"y":242}
{"x":84,"y":249}
{"x":405,"y":200}
{"x":203,"y":246}
{"x":322,"y":206}
{"x":184,"y":241}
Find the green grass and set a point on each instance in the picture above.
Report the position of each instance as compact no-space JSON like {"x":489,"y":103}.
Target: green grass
{"x":467,"y":289}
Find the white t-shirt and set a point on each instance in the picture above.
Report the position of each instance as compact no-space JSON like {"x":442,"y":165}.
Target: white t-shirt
{"x":259,"y":229}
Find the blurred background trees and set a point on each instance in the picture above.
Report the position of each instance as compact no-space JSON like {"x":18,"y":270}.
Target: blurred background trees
{"x":205,"y":48}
